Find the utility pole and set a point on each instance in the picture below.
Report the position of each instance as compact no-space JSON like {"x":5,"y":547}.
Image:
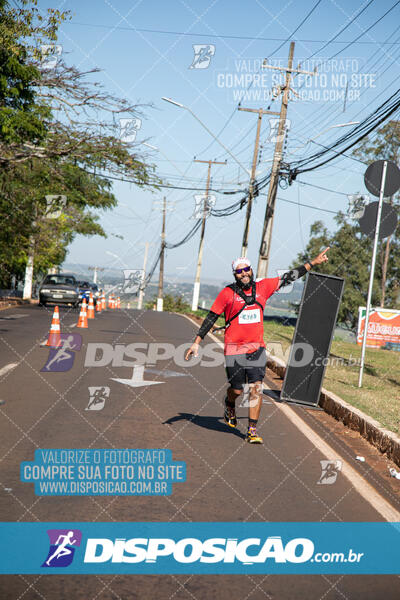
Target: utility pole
{"x":141,"y":290}
{"x":265,"y":246}
{"x":160,"y":300}
{"x":196,"y":288}
{"x":260,"y":113}
{"x":27,"y":293}
{"x":95,"y":271}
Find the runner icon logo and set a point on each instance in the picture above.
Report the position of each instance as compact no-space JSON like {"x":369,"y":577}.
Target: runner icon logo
{"x":202,"y":56}
{"x":330,"y":471}
{"x":62,"y":358}
{"x":98,"y":396}
{"x":132,"y":280}
{"x":62,"y":547}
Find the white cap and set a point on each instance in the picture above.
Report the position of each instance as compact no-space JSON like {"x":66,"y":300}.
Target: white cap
{"x":242,"y":260}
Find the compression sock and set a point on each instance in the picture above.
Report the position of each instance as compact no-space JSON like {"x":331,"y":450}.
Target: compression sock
{"x":253,"y":423}
{"x":229,"y":403}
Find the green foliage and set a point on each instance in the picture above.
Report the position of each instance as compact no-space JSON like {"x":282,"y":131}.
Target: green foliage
{"x":22,"y":117}
{"x":40,"y":155}
{"x":171,"y":304}
{"x":350,"y":258}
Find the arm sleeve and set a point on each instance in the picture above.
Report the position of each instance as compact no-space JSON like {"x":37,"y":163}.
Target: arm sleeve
{"x":207,"y":324}
{"x":291,"y":276}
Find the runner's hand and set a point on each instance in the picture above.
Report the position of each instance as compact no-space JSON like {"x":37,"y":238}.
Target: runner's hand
{"x":194,"y":349}
{"x":321,"y":258}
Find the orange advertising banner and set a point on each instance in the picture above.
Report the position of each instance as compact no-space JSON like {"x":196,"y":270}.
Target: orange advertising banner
{"x":383,"y":327}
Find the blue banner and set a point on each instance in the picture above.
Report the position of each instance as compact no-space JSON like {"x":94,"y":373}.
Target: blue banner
{"x":204,"y":548}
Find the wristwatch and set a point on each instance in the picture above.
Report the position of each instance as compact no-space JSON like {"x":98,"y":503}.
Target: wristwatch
{"x":308,"y":262}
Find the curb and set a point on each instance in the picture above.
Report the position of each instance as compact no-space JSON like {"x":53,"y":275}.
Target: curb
{"x":384,"y":440}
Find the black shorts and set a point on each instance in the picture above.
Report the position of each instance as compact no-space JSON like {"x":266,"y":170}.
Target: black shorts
{"x":245,"y":368}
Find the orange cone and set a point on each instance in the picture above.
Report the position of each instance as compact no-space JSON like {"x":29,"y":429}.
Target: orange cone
{"x":103,"y":302}
{"x":98,"y":305}
{"x":82,"y":321}
{"x":55,"y":334}
{"x":118,"y":302}
{"x":110,"y":301}
{"x":90,"y":312}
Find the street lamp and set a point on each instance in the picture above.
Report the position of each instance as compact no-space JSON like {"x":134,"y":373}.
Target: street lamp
{"x":323,"y":131}
{"x":237,"y":161}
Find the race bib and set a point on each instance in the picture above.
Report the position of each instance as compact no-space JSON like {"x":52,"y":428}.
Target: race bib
{"x":249,"y":316}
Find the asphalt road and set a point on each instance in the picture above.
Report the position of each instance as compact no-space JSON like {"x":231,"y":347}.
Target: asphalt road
{"x":227,"y":479}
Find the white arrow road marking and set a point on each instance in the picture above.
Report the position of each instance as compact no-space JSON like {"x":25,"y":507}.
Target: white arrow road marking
{"x":137,"y":378}
{"x":7,"y":368}
{"x":166,"y":372}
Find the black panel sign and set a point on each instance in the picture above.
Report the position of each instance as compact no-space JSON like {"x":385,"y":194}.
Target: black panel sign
{"x":312,"y":338}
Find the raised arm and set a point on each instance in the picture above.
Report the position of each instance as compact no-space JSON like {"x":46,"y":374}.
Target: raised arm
{"x":291,"y":276}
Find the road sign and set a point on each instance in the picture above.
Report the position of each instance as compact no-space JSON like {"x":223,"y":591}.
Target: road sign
{"x":373,"y":178}
{"x":388,"y":220}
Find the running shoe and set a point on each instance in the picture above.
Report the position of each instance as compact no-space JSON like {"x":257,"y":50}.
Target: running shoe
{"x":230,"y":416}
{"x":252,"y":436}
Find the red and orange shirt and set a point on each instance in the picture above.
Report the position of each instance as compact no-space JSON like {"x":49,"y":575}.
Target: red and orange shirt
{"x":246,"y":333}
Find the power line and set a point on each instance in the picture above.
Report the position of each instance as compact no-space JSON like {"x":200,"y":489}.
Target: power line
{"x":298,"y":27}
{"x":271,"y":54}
{"x":215,"y":35}
{"x":376,"y":118}
{"x":340,"y":32}
{"x":161,"y":185}
{"x":308,"y":206}
{"x":319,"y":187}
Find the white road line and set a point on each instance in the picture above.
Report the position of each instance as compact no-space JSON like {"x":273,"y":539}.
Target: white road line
{"x":7,"y":368}
{"x":11,"y":317}
{"x":367,"y":491}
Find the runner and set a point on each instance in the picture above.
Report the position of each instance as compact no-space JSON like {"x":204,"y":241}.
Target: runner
{"x":62,"y":549}
{"x":62,"y":353}
{"x":243,"y":305}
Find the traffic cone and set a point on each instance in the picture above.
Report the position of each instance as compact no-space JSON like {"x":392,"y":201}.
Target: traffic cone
{"x":90,"y":312}
{"x":82,"y":321}
{"x":110,"y":302}
{"x":98,"y":305}
{"x":118,"y":302}
{"x":103,"y":302}
{"x":54,"y":340}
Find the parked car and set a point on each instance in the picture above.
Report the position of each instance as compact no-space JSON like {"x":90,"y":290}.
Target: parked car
{"x":59,"y":288}
{"x":85,"y":287}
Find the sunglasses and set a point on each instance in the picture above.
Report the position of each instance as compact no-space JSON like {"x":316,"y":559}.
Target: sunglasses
{"x":244,"y":270}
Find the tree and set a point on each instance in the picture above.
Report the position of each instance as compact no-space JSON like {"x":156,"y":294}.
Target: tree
{"x":57,"y":136}
{"x":350,"y":257}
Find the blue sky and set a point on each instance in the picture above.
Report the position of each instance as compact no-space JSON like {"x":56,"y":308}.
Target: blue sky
{"x":143,"y":66}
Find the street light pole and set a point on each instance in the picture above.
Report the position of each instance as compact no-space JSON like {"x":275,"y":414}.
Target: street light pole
{"x":141,"y":290}
{"x":160,"y":300}
{"x":324,"y":131}
{"x":237,"y":161}
{"x":372,"y":271}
